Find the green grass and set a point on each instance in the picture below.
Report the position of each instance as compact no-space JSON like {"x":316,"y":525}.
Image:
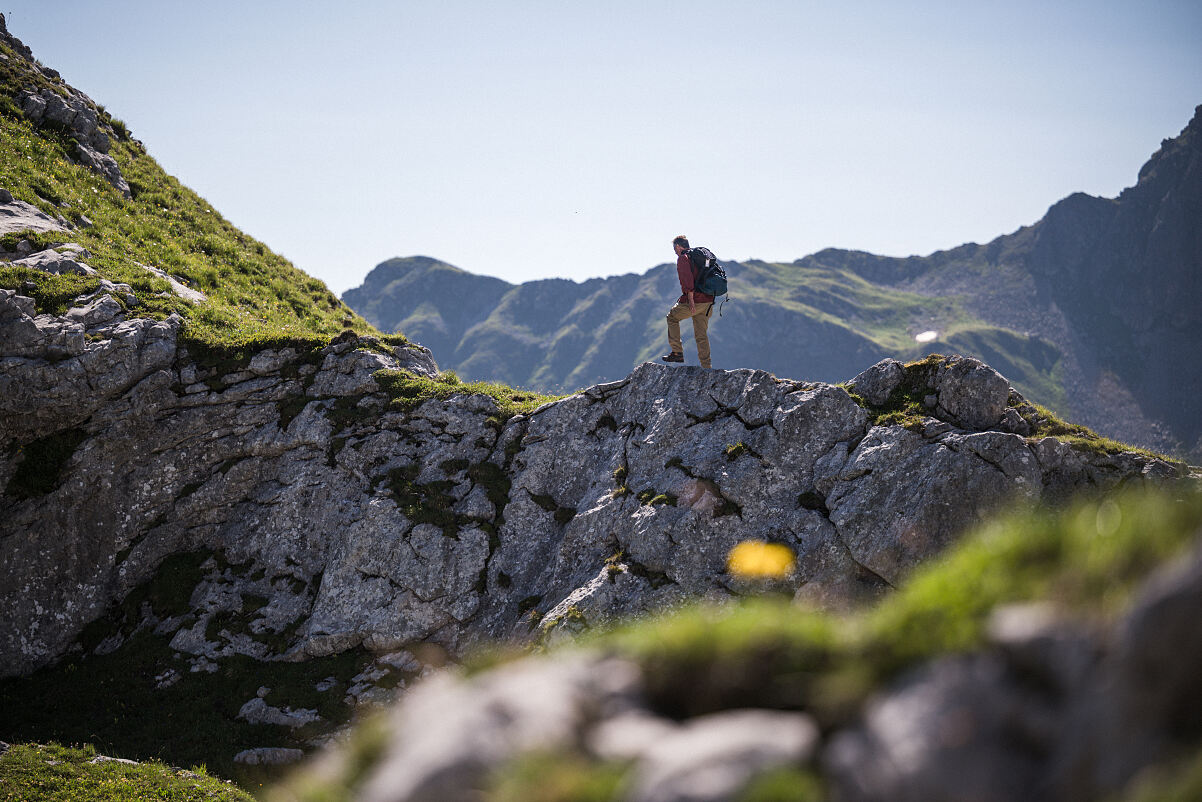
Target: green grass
{"x":55,"y":773}
{"x":52,"y":294}
{"x":904,"y":406}
{"x":1178,"y":782}
{"x":651,"y":497}
{"x":40,"y":240}
{"x":784,"y":785}
{"x":1047,"y":424}
{"x":409,"y":390}
{"x":256,"y":297}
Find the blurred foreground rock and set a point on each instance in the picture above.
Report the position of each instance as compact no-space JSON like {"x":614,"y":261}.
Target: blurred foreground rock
{"x":1053,"y":709}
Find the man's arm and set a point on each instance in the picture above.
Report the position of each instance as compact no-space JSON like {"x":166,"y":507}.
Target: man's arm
{"x":684,"y":271}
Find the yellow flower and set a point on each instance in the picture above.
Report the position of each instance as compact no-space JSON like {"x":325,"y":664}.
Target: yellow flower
{"x":755,"y":559}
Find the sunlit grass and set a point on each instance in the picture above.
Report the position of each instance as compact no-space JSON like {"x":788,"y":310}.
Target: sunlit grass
{"x":254,"y":295}
{"x":408,"y":390}
{"x":55,"y":773}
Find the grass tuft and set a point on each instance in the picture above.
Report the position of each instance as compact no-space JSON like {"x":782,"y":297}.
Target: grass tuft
{"x":409,"y":390}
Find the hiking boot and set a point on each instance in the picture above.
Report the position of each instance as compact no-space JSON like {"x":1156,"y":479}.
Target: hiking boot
{"x":672,"y":356}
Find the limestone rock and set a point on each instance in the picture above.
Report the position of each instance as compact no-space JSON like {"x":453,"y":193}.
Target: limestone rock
{"x":18,"y":215}
{"x":900,"y":497}
{"x":77,"y":114}
{"x":178,"y":287}
{"x":98,"y":311}
{"x":626,"y":736}
{"x":51,"y":261}
{"x":106,"y":759}
{"x":877,"y":383}
{"x":972,"y":394}
{"x":257,"y":711}
{"x":71,"y":112}
{"x":439,"y":523}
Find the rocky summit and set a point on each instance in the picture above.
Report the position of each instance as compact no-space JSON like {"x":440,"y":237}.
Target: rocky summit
{"x":358,"y":515}
{"x":1090,"y":311}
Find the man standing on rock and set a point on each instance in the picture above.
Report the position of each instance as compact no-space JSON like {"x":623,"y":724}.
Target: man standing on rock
{"x":692,"y":303}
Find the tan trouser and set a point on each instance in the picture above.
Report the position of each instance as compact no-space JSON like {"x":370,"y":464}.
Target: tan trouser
{"x":701,"y":324}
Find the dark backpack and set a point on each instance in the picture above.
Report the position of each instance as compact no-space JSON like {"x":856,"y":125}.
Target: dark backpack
{"x":711,"y":278}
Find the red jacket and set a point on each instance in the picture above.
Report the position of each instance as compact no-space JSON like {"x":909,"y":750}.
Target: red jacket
{"x":684,"y":271}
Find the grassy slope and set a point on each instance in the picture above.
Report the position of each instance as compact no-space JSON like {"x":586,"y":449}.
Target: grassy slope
{"x":255,"y":296}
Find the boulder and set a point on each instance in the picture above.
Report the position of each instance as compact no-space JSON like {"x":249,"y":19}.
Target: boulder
{"x":18,"y":215}
{"x":257,"y":711}
{"x":876,"y":384}
{"x":51,"y":261}
{"x":99,"y":310}
{"x":971,"y":394}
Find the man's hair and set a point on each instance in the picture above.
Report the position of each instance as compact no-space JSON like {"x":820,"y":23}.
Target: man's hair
{"x":682,"y":241}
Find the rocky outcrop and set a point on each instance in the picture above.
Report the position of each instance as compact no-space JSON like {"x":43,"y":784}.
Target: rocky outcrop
{"x":295,"y":480}
{"x":76,"y":114}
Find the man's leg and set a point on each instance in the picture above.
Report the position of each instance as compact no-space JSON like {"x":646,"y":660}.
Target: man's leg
{"x":701,"y":324}
{"x":675,"y":315}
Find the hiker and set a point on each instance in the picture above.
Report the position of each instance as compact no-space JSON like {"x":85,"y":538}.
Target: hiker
{"x":692,"y":303}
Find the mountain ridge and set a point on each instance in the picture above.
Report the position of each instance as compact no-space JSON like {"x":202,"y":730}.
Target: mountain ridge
{"x":1089,"y":311}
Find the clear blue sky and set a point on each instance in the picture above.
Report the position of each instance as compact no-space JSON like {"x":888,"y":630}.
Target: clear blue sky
{"x":534,"y":139}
